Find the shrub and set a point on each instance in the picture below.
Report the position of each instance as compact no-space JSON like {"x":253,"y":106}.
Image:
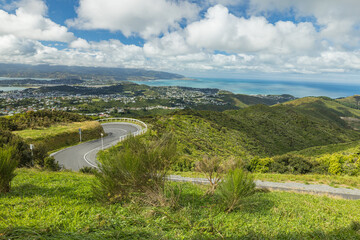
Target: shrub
{"x":21,"y":151}
{"x":213,"y":170}
{"x":183,"y":165}
{"x":134,"y":169}
{"x":338,"y":164}
{"x":294,"y":164}
{"x":7,"y":167}
{"x":88,"y":170}
{"x":51,"y":164}
{"x":236,"y":186}
{"x":259,"y":165}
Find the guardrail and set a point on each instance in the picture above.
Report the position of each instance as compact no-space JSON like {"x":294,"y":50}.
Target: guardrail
{"x":141,"y":131}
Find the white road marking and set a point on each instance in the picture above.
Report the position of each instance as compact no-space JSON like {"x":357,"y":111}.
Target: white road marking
{"x":106,"y":146}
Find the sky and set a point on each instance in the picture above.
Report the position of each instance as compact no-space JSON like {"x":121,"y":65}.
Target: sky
{"x":268,"y":39}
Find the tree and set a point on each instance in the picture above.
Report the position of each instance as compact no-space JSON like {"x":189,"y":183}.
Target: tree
{"x":7,"y":167}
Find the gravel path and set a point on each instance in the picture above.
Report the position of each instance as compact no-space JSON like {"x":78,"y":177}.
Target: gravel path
{"x":345,"y":193}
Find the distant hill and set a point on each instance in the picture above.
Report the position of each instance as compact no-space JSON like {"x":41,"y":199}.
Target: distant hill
{"x":94,"y":73}
{"x":352,"y":101}
{"x":242,"y":100}
{"x":326,"y":108}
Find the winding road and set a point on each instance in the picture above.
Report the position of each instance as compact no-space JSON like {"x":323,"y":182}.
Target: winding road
{"x":84,"y":155}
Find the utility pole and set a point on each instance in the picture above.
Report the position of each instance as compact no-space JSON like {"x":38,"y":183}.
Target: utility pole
{"x":31,"y":149}
{"x":102,"y":141}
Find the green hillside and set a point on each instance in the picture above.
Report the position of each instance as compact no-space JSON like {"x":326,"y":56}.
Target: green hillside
{"x":352,"y":101}
{"x":257,"y":130}
{"x":324,"y":108}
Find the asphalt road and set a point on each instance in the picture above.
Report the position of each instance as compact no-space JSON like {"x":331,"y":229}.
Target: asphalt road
{"x":84,"y":155}
{"x":319,"y":189}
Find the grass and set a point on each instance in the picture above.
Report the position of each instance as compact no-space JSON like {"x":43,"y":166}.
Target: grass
{"x":42,"y":133}
{"x":332,"y":180}
{"x":47,"y":205}
{"x":59,"y":136}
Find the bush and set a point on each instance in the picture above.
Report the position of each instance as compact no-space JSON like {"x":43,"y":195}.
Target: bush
{"x":236,"y":186}
{"x":183,"y":165}
{"x":215,"y":168}
{"x":51,"y":164}
{"x":21,"y":151}
{"x":259,"y":165}
{"x":135,"y":168}
{"x":294,"y":164}
{"x":7,"y":167}
{"x":337,"y":164}
{"x":88,"y":170}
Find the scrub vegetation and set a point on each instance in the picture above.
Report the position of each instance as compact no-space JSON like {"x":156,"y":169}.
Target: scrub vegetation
{"x":61,"y":205}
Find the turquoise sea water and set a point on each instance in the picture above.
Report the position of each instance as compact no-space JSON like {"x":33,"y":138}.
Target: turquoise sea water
{"x":295,"y":88}
{"x":6,"y":89}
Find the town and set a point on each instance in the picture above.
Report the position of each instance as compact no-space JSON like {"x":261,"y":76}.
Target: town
{"x":149,"y":98}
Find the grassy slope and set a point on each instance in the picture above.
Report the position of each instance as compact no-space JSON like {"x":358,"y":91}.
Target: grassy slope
{"x":45,"y":205}
{"x":61,"y":135}
{"x":198,"y":137}
{"x":282,"y":129}
{"x":324,"y":108}
{"x":349,"y":147}
{"x":352,"y":101}
{"x":256,"y":130}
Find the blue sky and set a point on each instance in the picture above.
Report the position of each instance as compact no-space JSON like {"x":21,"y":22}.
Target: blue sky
{"x":273,"y":39}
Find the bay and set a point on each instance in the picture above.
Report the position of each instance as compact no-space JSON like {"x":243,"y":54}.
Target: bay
{"x":253,"y":87}
{"x":7,"y":89}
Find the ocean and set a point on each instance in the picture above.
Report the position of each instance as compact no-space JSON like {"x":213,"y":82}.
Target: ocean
{"x":251,"y":87}
{"x":6,"y":89}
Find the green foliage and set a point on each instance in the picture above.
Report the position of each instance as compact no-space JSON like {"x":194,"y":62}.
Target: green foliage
{"x":259,"y":165}
{"x":44,"y":118}
{"x":134,"y":168}
{"x":7,"y":167}
{"x":60,"y":205}
{"x":21,"y":151}
{"x":88,"y":170}
{"x":62,"y":135}
{"x":51,"y":164}
{"x":236,"y":186}
{"x":350,"y":147}
{"x":288,"y":163}
{"x":338,"y":163}
{"x":286,"y":128}
{"x":198,"y":137}
{"x":213,"y":169}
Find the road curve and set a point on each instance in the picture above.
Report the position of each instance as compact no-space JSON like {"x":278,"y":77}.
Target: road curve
{"x":84,"y":155}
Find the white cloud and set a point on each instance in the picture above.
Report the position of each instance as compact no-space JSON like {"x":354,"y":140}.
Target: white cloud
{"x":220,"y":30}
{"x":337,"y":19}
{"x":29,"y":22}
{"x":143,"y":17}
{"x":79,"y":43}
{"x":13,"y":46}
